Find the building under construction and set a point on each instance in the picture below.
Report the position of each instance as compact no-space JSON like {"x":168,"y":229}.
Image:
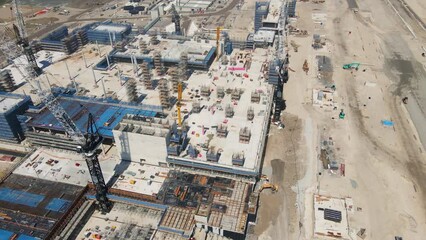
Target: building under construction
{"x":184,"y":125}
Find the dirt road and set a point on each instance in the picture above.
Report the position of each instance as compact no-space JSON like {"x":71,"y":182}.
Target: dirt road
{"x":385,"y":167}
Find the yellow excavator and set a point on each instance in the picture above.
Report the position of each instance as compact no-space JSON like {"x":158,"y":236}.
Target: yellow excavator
{"x":266,"y":185}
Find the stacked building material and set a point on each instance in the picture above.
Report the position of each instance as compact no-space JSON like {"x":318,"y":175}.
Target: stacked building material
{"x":205,"y":91}
{"x":238,"y":159}
{"x":236,"y":94}
{"x":196,"y":107}
{"x":222,"y":131}
{"x":220,"y":92}
{"x":212,"y":155}
{"x":255,"y":97}
{"x":229,"y":111}
{"x":250,"y":113}
{"x":245,"y":135}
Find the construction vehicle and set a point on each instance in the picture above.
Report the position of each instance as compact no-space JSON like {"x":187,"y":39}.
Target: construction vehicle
{"x":353,"y":65}
{"x":266,"y":185}
{"x":342,"y":114}
{"x":87,"y":143}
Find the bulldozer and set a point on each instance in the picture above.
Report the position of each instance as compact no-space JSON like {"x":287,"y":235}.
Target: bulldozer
{"x":265,"y":185}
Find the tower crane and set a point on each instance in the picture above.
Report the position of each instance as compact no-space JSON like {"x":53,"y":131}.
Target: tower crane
{"x":22,"y":38}
{"x":176,"y":20}
{"x":89,"y":142}
{"x":178,"y":104}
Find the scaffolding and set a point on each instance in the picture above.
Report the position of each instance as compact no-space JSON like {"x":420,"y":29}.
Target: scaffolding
{"x":183,"y":66}
{"x":146,"y":76}
{"x":255,"y":97}
{"x":229,"y":111}
{"x":7,"y":83}
{"x":158,"y":64}
{"x":250,"y":113}
{"x":205,"y":91}
{"x":173,"y":72}
{"x":222,"y":131}
{"x":143,"y":47}
{"x":132,"y":94}
{"x":164,"y":93}
{"x":220,"y":92}
{"x":245,"y":135}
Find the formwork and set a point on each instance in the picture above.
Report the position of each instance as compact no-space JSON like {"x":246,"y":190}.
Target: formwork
{"x":211,"y":201}
{"x":30,"y":206}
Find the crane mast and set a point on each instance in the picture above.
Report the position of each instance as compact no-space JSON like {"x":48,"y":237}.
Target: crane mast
{"x":87,"y":142}
{"x":22,"y":38}
{"x":176,"y":20}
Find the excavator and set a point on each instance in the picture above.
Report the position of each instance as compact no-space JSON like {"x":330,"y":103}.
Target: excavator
{"x":266,"y":185}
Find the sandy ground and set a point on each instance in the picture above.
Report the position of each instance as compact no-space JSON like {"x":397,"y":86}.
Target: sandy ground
{"x":282,"y":153}
{"x":419,"y":7}
{"x":385,"y":168}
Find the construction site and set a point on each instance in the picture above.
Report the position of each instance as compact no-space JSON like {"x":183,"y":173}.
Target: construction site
{"x":140,"y":132}
{"x":211,"y":119}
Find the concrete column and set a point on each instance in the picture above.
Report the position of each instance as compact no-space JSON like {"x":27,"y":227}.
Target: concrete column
{"x":110,"y":38}
{"x":103,"y":87}
{"x":94,"y":78}
{"x":84,"y":58}
{"x":72,"y":79}
{"x":109,"y":65}
{"x":99,"y":49}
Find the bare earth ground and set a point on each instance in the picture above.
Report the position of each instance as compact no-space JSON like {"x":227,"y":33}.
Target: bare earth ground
{"x":283,"y":149}
{"x":385,"y":167}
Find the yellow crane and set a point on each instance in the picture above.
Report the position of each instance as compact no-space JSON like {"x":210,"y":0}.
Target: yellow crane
{"x":218,"y":30}
{"x":178,"y":104}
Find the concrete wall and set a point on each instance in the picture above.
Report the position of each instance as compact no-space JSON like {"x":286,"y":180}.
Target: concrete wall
{"x":135,"y":146}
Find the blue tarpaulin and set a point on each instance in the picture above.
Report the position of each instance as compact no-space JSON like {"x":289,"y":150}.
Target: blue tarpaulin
{"x":26,"y":237}
{"x":20,"y":197}
{"x":5,"y":235}
{"x":58,"y":205}
{"x":387,"y":123}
